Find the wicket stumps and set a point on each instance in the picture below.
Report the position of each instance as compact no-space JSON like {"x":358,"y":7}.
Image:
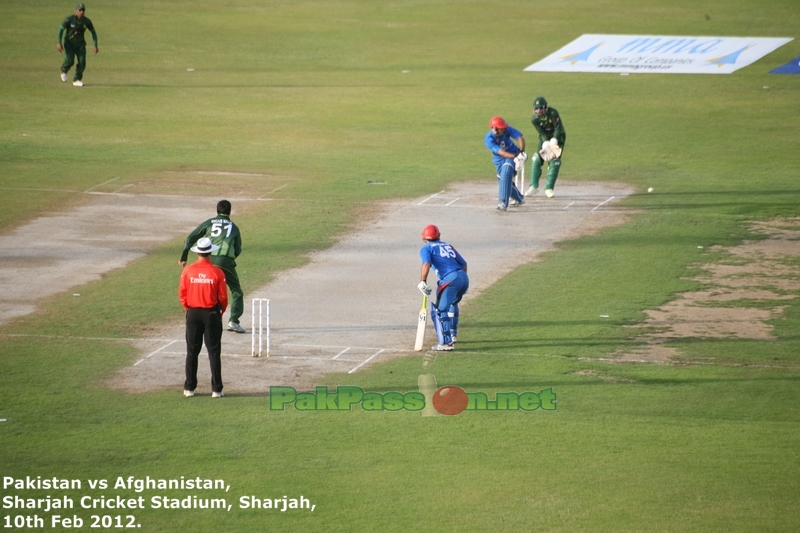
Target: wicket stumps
{"x":259,"y":324}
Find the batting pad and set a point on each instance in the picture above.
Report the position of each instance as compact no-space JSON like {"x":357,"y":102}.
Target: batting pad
{"x":437,"y":326}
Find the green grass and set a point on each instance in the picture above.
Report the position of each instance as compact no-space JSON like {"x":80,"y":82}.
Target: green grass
{"x":313,"y":95}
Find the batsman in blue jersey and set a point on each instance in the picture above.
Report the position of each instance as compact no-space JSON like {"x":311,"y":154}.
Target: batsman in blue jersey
{"x":507,"y":157}
{"x":453,"y":283}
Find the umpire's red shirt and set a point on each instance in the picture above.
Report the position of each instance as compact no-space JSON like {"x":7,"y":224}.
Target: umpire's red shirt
{"x":203,"y":286}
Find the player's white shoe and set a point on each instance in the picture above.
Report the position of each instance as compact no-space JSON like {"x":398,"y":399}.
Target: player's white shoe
{"x":453,"y":339}
{"x":515,"y":203}
{"x":549,"y":193}
{"x":219,"y":394}
{"x":531,"y":191}
{"x":233,"y":326}
{"x":501,"y":207}
{"x":63,"y":76}
{"x":77,"y":83}
{"x":442,"y":347}
{"x":188,"y":393}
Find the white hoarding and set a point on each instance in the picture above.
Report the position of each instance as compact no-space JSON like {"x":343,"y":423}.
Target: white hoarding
{"x":659,"y":54}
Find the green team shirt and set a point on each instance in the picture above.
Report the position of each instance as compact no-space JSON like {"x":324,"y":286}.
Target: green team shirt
{"x":549,"y":126}
{"x":75,"y":28}
{"x":222,"y":232}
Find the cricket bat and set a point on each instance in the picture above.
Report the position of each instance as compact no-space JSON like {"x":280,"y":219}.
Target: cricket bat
{"x":423,"y":319}
{"x":519,"y":179}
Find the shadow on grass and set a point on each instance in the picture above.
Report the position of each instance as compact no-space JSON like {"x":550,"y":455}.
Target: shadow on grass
{"x":88,"y":86}
{"x":694,"y":200}
{"x":523,"y":385}
{"x":519,"y":385}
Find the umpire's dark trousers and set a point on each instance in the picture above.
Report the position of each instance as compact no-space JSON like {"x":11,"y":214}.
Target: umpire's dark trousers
{"x":203,"y":324}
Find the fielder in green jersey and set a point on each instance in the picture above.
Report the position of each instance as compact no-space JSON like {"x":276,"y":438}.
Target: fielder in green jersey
{"x":70,"y":33}
{"x":548,"y":125}
{"x":226,"y":235}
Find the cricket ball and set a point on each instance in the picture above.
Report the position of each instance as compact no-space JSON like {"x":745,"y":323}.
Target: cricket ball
{"x":650,"y":189}
{"x":554,"y":141}
{"x":449,"y":400}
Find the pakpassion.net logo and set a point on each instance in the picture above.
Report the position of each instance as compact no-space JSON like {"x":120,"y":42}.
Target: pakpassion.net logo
{"x":430,"y":400}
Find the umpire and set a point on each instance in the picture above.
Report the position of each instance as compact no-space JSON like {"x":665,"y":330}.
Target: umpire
{"x":204,"y":296}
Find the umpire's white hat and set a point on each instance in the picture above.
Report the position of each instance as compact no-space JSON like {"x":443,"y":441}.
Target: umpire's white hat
{"x":204,"y":246}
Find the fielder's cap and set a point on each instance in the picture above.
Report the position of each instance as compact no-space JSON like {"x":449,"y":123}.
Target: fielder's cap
{"x":80,"y":7}
{"x":539,"y":101}
{"x":204,"y":246}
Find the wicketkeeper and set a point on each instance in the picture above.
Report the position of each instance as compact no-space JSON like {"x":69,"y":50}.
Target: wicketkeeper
{"x":552,"y":138}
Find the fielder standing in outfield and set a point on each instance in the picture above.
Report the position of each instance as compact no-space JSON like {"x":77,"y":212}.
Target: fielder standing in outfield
{"x":453,"y":282}
{"x":204,"y":297}
{"x":226,"y":236}
{"x":74,"y":26}
{"x":506,"y":157}
{"x":548,"y":125}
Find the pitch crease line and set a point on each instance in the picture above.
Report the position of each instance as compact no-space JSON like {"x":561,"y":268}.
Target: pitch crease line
{"x":336,"y":346}
{"x":340,"y":353}
{"x":309,"y":357}
{"x":600,"y":204}
{"x":430,"y":197}
{"x":366,"y":361}
{"x":155,"y":352}
{"x":272,"y":191}
{"x":568,"y":205}
{"x":450,"y":203}
{"x":101,"y":184}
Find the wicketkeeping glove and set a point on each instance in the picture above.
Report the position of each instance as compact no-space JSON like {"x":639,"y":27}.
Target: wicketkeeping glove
{"x":423,"y":287}
{"x":550,"y":150}
{"x":555,"y":148}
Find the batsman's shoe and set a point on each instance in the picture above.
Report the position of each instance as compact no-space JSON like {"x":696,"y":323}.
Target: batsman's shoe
{"x":233,"y":326}
{"x":442,"y":347}
{"x":77,"y":83}
{"x":531,"y":191}
{"x":63,"y":76}
{"x":453,"y":339}
{"x":219,"y":394}
{"x":549,"y":193}
{"x":428,"y":359}
{"x":515,"y":203}
{"x":501,"y":207}
{"x":188,"y":393}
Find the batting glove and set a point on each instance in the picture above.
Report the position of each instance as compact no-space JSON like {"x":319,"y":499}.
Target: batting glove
{"x":519,"y":161}
{"x":423,"y":287}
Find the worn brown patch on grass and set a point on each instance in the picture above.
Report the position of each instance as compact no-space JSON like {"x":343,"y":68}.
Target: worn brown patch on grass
{"x":759,"y":272}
